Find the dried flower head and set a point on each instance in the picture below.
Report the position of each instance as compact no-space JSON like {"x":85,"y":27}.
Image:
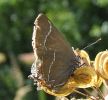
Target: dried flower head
{"x":101,"y":64}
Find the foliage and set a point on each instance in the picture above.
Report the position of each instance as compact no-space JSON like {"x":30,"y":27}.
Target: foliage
{"x":81,"y":21}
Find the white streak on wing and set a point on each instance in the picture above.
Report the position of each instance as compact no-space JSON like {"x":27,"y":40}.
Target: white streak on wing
{"x":36,"y":27}
{"x":49,"y":32}
{"x":51,"y":66}
{"x":59,"y":85}
{"x":34,"y":40}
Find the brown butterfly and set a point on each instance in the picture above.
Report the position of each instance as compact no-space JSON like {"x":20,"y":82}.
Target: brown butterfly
{"x":55,"y":60}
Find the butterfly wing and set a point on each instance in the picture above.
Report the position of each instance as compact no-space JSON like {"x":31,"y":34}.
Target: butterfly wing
{"x":58,"y":60}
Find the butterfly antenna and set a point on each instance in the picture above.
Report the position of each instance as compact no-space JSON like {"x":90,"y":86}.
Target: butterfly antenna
{"x":92,"y":43}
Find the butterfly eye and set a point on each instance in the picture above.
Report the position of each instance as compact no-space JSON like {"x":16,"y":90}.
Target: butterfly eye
{"x":84,"y":56}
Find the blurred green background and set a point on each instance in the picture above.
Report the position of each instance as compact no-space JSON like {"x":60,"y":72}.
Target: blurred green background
{"x":81,"y":21}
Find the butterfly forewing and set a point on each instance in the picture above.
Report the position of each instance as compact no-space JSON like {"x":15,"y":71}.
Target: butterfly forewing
{"x":58,"y":60}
